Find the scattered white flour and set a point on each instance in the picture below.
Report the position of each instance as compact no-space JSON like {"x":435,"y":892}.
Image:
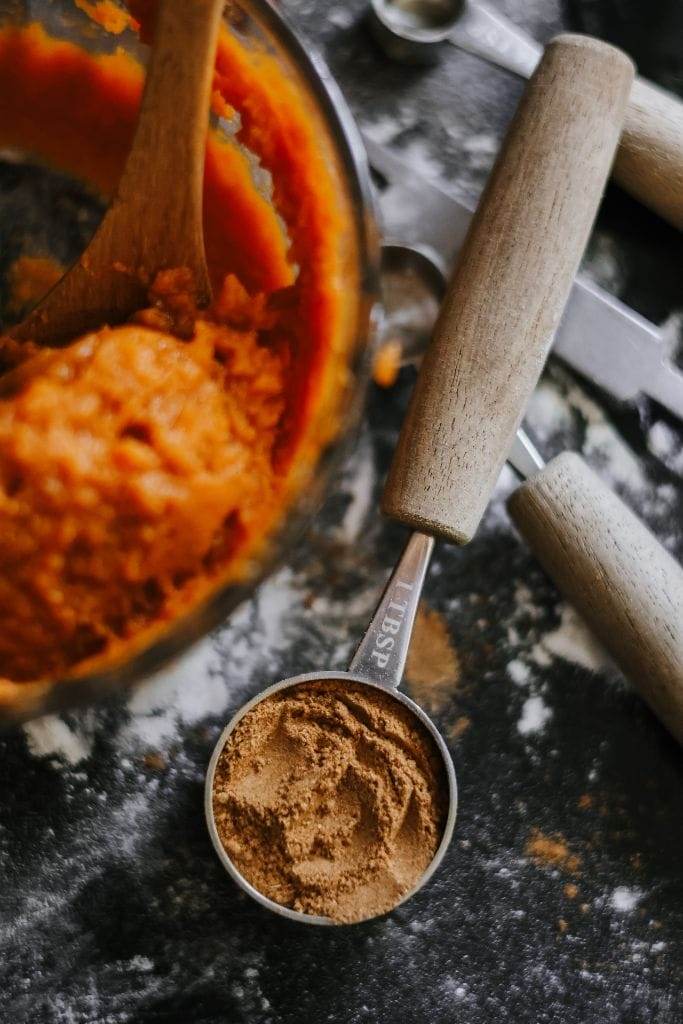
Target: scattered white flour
{"x":535,"y":715}
{"x":385,"y":129}
{"x":260,"y":628}
{"x":141,"y":963}
{"x":479,"y":150}
{"x":603,"y":265}
{"x":496,"y":516}
{"x":604,"y":447}
{"x":342,"y":17}
{"x":548,"y":413}
{"x":540,"y":656}
{"x":524,"y":603}
{"x":572,"y":641}
{"x":662,"y":441}
{"x":671,"y":331}
{"x":624,"y":899}
{"x":184,"y":693}
{"x":418,"y":154}
{"x":455,"y":989}
{"x":519,"y":673}
{"x":577,"y":399}
{"x":359,"y":477}
{"x":51,"y":736}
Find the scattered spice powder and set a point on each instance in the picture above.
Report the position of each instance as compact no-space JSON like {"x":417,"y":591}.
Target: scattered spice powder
{"x":459,"y":727}
{"x":155,"y":761}
{"x":387,"y":364}
{"x":551,"y":851}
{"x":331,"y":798}
{"x":433,"y":666}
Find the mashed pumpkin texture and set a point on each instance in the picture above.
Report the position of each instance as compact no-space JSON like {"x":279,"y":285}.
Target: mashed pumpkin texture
{"x":129,"y":463}
{"x":144,"y":465}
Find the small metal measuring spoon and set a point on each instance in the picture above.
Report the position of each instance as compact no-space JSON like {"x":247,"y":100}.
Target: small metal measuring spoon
{"x":415,"y":30}
{"x":413,"y":284}
{"x":483,"y":361}
{"x":378,"y":664}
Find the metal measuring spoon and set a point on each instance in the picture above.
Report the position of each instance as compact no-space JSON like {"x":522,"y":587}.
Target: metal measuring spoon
{"x":414,"y":31}
{"x":495,"y":327}
{"x":649,"y":161}
{"x":378,"y":664}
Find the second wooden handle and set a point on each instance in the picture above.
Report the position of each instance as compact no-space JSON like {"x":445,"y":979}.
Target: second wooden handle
{"x":616,"y":573}
{"x":509,"y":288}
{"x":649,"y":163}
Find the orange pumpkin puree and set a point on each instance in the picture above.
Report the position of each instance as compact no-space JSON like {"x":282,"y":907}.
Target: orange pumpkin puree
{"x":138,"y":469}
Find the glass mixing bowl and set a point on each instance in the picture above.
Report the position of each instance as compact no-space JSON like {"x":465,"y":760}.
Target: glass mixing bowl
{"x":45,"y":208}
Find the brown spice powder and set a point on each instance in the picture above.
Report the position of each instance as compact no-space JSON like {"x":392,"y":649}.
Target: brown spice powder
{"x":433,"y":666}
{"x":331,"y":798}
{"x":551,"y":851}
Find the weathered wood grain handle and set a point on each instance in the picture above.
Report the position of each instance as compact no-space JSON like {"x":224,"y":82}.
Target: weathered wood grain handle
{"x":170,"y":140}
{"x":509,"y":289}
{"x":649,"y":162}
{"x":614,"y":571}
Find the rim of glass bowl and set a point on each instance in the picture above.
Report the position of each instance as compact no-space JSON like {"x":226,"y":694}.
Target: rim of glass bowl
{"x":64,"y":692}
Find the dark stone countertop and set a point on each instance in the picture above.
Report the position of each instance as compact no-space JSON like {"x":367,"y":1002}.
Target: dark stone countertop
{"x":114,"y":906}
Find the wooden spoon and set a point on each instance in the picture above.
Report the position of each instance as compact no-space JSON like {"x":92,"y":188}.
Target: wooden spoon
{"x":154,"y":221}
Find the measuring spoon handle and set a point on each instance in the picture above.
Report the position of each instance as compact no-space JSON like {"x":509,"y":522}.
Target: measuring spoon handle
{"x":619,"y":577}
{"x":649,"y":163}
{"x":510,"y":286}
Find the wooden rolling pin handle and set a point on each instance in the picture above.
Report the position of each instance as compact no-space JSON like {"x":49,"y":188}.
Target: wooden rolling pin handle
{"x":614,"y":571}
{"x":649,"y":162}
{"x":510,"y":286}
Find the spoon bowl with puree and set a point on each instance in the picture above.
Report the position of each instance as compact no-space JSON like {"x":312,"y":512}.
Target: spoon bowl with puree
{"x":331,"y":797}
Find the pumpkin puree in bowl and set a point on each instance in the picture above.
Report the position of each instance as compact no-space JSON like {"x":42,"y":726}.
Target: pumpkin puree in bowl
{"x":145,"y":465}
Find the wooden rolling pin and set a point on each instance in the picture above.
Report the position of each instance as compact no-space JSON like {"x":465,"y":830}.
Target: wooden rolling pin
{"x":509,"y":288}
{"x":614,"y":570}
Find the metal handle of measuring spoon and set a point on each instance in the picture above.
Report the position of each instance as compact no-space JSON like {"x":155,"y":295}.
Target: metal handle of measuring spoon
{"x":488,"y":34}
{"x":382,"y":653}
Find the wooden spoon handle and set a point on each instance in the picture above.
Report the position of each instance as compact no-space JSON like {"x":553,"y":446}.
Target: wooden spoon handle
{"x":649,"y":162}
{"x":154,"y":221}
{"x":608,"y":564}
{"x":509,"y":288}
{"x":170,"y":138}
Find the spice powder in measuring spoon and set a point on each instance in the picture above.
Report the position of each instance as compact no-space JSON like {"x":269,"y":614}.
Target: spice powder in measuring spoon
{"x":330,"y":798}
